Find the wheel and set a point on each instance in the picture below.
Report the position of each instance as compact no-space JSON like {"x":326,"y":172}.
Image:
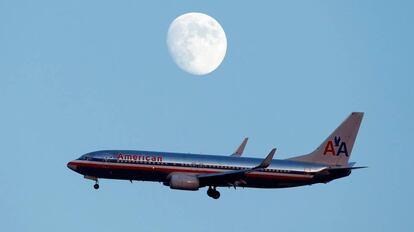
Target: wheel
{"x":96,"y":186}
{"x":211,"y":192}
{"x":216,"y":195}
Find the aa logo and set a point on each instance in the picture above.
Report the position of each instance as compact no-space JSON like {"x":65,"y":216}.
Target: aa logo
{"x":336,"y":147}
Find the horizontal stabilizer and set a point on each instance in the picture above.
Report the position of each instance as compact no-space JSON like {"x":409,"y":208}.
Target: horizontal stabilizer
{"x":346,"y":167}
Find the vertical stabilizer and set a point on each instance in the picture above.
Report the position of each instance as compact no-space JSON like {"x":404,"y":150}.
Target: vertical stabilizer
{"x":337,"y":148}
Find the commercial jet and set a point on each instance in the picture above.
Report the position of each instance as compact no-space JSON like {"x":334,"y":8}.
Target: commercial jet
{"x":194,"y":171}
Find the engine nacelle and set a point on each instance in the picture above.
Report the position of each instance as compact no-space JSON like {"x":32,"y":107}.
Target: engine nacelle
{"x":184,"y":182}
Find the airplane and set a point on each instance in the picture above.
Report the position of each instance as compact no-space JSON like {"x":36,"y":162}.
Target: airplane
{"x":194,"y":171}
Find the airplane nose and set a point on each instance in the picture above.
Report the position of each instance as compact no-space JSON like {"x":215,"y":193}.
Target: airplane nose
{"x":72,"y":166}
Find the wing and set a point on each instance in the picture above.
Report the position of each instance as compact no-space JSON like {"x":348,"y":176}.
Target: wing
{"x":239,"y":151}
{"x":232,"y":177}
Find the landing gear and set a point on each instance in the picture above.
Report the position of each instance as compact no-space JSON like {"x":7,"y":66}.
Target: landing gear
{"x":96,"y":185}
{"x":213,"y":193}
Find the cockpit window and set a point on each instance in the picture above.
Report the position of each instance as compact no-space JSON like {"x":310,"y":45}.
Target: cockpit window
{"x":85,"y":157}
{"x":96,"y":156}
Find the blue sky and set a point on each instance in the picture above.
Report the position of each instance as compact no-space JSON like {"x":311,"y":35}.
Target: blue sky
{"x":79,"y":76}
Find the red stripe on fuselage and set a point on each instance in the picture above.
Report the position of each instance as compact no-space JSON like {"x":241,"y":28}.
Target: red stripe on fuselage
{"x":168,"y":169}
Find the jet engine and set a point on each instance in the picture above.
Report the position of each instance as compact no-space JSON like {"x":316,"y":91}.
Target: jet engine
{"x":184,"y":182}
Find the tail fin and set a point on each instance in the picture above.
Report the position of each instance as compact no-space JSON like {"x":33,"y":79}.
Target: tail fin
{"x":337,"y":148}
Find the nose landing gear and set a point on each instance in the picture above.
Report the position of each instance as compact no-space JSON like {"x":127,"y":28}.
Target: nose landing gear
{"x":213,"y":193}
{"x":96,"y":185}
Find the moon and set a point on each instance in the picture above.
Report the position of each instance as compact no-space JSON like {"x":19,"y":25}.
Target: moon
{"x":197,"y":43}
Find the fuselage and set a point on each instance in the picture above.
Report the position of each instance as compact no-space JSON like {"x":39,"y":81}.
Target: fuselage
{"x":158,"y":167}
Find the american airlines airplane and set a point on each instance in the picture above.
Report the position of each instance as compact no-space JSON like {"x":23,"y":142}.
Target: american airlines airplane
{"x":193,"y":171}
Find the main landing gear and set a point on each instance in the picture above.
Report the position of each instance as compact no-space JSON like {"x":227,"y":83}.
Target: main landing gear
{"x":213,"y":193}
{"x":96,"y":186}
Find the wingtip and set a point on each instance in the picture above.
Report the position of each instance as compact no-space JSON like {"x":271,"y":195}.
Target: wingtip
{"x":239,"y":151}
{"x":268,"y":160}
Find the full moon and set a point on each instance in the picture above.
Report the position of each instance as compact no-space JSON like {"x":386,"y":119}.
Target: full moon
{"x":197,"y":43}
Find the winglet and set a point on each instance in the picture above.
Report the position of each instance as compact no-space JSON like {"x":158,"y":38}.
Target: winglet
{"x":240,"y":149}
{"x":266,"y":162}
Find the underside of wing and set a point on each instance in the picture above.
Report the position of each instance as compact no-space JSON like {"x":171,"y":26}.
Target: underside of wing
{"x":223,"y":178}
